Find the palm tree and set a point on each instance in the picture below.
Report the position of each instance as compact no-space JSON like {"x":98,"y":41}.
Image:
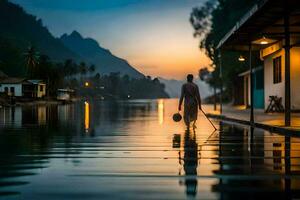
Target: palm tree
{"x":92,"y":69}
{"x":82,"y":69}
{"x":68,"y":67}
{"x":31,"y":59}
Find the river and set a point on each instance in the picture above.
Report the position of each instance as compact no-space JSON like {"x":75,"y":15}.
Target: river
{"x":134,"y":150}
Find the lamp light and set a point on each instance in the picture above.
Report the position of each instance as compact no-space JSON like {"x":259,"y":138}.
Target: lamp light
{"x":264,"y":41}
{"x":241,"y":59}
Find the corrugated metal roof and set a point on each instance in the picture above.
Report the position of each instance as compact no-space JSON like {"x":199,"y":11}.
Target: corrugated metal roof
{"x":263,"y":19}
{"x":238,"y":24}
{"x":248,"y":71}
{"x":35,"y":82}
{"x":12,"y":80}
{"x":65,"y":90}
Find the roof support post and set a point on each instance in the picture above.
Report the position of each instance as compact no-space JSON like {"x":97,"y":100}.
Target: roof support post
{"x":287,"y":47}
{"x":251,"y":86}
{"x":221,"y":81}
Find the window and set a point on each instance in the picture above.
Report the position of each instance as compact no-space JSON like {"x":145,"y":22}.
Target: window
{"x":277,"y":70}
{"x":41,"y":88}
{"x":6,"y":90}
{"x":12,"y":89}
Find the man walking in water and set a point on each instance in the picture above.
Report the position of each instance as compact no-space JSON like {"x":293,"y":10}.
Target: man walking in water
{"x":192,"y":101}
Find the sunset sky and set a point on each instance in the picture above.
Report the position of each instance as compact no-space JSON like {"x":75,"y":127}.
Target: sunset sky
{"x":155,"y":36}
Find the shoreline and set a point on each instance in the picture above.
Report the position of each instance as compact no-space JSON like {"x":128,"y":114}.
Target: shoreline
{"x":22,"y":102}
{"x":273,"y":122}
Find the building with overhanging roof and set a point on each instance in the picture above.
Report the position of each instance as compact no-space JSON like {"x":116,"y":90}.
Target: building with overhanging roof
{"x":273,"y":28}
{"x":22,"y":87}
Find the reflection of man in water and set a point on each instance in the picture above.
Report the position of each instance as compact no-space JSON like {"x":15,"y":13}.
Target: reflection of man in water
{"x":190,"y":94}
{"x":190,"y":163}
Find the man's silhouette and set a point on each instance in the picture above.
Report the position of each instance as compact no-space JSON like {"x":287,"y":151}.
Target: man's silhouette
{"x":192,"y":101}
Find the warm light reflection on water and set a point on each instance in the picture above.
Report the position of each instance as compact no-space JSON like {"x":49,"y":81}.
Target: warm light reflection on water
{"x":160,"y":111}
{"x":86,"y":116}
{"x":134,"y":150}
{"x":42,"y":114}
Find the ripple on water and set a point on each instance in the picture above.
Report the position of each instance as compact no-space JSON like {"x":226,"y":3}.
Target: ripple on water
{"x":126,"y":150}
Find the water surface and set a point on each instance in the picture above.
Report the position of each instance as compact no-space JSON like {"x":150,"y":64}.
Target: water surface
{"x":133,"y":150}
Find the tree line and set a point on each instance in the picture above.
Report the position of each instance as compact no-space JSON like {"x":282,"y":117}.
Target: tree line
{"x":69,"y":74}
{"x":23,"y":37}
{"x":115,"y":86}
{"x":211,"y":22}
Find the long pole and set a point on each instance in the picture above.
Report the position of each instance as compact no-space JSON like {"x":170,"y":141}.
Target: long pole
{"x":209,"y":120}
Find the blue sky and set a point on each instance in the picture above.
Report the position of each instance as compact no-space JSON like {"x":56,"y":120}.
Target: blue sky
{"x":155,"y":36}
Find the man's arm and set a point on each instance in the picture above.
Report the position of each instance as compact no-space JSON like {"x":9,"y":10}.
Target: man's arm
{"x":198,"y":98}
{"x":181,"y":98}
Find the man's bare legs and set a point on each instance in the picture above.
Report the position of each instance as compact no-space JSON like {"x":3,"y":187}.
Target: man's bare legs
{"x":194,"y":125}
{"x":188,"y":123}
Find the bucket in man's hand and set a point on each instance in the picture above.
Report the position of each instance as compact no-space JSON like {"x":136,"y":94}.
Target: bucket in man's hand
{"x":177,"y":117}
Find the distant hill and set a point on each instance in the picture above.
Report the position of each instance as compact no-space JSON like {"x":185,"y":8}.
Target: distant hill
{"x":20,"y":30}
{"x":173,"y":87}
{"x":103,"y":59}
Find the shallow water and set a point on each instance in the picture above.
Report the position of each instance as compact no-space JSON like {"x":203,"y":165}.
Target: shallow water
{"x":133,"y":150}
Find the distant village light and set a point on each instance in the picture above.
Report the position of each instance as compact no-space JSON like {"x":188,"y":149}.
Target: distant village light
{"x":242,"y":59}
{"x":86,"y":84}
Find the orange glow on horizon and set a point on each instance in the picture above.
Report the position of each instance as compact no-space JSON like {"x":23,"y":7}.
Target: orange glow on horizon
{"x":171,"y":65}
{"x":165,"y":52}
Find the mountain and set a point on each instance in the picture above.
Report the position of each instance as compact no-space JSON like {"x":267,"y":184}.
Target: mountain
{"x":20,"y":29}
{"x":93,"y":53}
{"x":173,"y":87}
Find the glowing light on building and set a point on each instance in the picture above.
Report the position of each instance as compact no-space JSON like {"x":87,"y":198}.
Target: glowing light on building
{"x":86,"y":84}
{"x":264,"y":41}
{"x":242,"y":59}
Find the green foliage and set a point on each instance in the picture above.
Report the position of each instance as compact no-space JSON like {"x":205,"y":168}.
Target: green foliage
{"x":211,"y":22}
{"x":27,"y":49}
{"x":20,"y":30}
{"x":114,"y":86}
{"x":22,"y":36}
{"x":31,"y":59}
{"x":11,"y":60}
{"x":123,"y":87}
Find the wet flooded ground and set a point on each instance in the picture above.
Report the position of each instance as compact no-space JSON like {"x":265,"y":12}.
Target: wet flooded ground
{"x":133,"y":150}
